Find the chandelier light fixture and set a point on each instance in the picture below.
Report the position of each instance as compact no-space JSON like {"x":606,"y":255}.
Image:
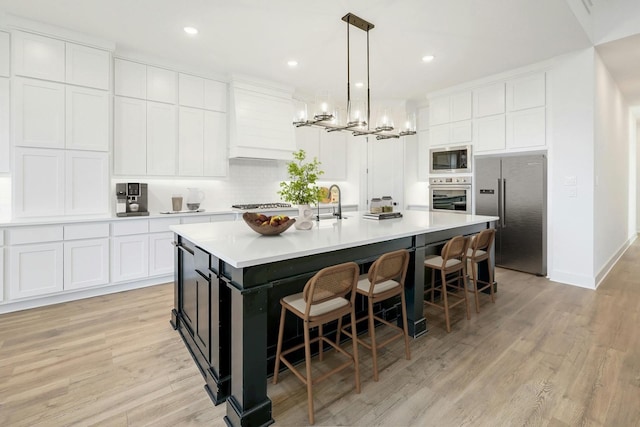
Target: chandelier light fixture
{"x":358,"y":113}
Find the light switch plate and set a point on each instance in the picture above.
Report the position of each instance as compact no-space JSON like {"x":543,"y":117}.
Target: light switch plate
{"x":570,"y":180}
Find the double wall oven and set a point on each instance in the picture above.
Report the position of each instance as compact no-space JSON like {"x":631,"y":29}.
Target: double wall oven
{"x":449,"y":185}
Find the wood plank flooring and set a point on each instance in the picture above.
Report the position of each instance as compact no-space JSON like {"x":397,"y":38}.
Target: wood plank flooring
{"x":544,"y":355}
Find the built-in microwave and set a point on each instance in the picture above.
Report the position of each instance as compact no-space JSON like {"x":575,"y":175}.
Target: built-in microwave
{"x":450,"y":159}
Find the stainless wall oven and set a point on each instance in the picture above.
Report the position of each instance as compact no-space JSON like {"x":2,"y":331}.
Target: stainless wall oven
{"x":450,"y":194}
{"x":450,"y":159}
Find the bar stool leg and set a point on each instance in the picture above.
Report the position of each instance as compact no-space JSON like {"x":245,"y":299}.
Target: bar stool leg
{"x":372,"y":334}
{"x":405,"y":326}
{"x":307,"y":356}
{"x":474,"y":273}
{"x":464,"y":290}
{"x":493,"y":298}
{"x":356,"y":363}
{"x":320,"y":344}
{"x":338,"y":331}
{"x":279,"y":346}
{"x":445,"y":300}
{"x":433,"y":283}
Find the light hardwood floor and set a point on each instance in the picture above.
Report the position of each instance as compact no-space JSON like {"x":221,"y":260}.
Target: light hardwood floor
{"x":544,"y":355}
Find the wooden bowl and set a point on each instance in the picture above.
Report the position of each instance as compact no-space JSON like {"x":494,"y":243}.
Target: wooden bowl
{"x":265,"y":230}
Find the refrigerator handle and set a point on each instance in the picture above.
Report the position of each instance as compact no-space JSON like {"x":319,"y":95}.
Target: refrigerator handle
{"x":500,"y":201}
{"x":504,"y":203}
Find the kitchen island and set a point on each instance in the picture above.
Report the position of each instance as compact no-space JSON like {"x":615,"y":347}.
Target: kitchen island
{"x":229,"y":280}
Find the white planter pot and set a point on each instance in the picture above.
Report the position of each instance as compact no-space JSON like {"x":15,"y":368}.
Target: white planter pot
{"x":304,"y":221}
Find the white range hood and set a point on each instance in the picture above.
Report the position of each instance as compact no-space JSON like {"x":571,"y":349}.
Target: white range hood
{"x":260,"y":120}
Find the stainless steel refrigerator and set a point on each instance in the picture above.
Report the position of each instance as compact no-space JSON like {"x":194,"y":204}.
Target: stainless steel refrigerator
{"x":515,"y":189}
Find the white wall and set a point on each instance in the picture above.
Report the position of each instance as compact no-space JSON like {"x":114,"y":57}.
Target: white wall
{"x":570,"y":218}
{"x":611,"y":196}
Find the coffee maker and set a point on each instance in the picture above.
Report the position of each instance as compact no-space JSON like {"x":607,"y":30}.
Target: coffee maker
{"x":131,"y":199}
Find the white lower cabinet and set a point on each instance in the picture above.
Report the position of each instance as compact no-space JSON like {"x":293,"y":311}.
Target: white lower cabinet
{"x":35,"y":270}
{"x":129,"y":257}
{"x":86,"y":263}
{"x":161,"y":253}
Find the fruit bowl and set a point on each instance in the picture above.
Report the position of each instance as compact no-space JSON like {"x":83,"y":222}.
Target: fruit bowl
{"x":275,"y":224}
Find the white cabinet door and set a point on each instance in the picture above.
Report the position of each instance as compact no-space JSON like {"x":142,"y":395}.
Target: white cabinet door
{"x":439,"y":110}
{"x":130,"y":136}
{"x":161,"y":139}
{"x":215,"y":155}
{"x":161,"y":85}
{"x":333,"y":156}
{"x":423,"y":155}
{"x":86,"y":263}
{"x":87,"y":117}
{"x":526,"y":92}
{"x":461,"y":106}
{"x":35,"y":270}
{"x":38,"y":56}
{"x":87,"y":183}
{"x":489,"y":100}
{"x":191,"y":91}
{"x":526,"y":128}
{"x":129,"y":257}
{"x":440,"y":135}
{"x":87,"y":66}
{"x":191,"y":142}
{"x":1,"y":272}
{"x":5,"y":69}
{"x":461,"y":132}
{"x":385,"y":164}
{"x":38,"y":182}
{"x":130,"y":79}
{"x":423,"y":119}
{"x":489,"y":133}
{"x":161,"y":254}
{"x":5,"y":145}
{"x":38,"y":113}
{"x":215,"y":96}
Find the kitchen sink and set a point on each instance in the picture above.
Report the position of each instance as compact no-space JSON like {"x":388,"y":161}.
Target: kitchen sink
{"x":327,"y":216}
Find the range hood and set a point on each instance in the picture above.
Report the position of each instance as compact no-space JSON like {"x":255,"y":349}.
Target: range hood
{"x":260,"y":120}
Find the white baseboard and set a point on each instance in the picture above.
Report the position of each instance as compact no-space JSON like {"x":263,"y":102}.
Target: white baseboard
{"x":602,"y":274}
{"x":572,"y":279}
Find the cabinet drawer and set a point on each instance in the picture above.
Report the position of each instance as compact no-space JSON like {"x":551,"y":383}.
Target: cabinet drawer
{"x":50,"y":233}
{"x":124,"y":228}
{"x":86,"y":231}
{"x":160,"y":225}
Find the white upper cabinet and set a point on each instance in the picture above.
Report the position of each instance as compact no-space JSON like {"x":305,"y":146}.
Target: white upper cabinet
{"x":215,"y":144}
{"x":130,"y":136}
{"x":38,"y":182}
{"x":87,"y":117}
{"x":423,"y":119}
{"x":86,"y":182}
{"x":38,"y":56}
{"x":461,"y":132}
{"x":489,"y":100}
{"x":215,"y":96}
{"x":5,"y":68}
{"x":130,"y":79}
{"x":440,"y":135}
{"x":161,"y":85}
{"x":191,"y":145}
{"x":439,"y":110}
{"x":86,"y":66}
{"x":461,"y":107}
{"x":191,"y":90}
{"x":38,"y":113}
{"x":162,"y":139}
{"x":526,"y":92}
{"x":526,"y":128}
{"x":5,"y":144}
{"x":489,"y":133}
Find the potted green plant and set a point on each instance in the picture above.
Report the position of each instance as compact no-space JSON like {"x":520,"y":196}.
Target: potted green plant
{"x":301,"y":189}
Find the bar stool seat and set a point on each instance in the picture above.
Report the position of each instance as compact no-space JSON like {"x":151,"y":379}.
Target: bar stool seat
{"x":451,"y":260}
{"x":327,"y":296}
{"x":384,"y":280}
{"x":480,"y":250}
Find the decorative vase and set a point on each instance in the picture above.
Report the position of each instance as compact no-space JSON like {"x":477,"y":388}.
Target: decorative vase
{"x":305,"y":218}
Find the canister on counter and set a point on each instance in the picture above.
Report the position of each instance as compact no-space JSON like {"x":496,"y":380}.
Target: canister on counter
{"x":375,"y":205}
{"x":387,"y":204}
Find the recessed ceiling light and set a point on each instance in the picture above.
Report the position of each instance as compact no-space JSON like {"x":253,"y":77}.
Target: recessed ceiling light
{"x":428,"y":58}
{"x":191,"y":30}
{"x":359,"y":85}
{"x":292,"y":63}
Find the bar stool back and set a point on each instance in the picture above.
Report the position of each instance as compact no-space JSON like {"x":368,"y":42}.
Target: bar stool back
{"x":385,"y":280}
{"x":451,"y":260}
{"x":480,"y":250}
{"x":323,"y":300}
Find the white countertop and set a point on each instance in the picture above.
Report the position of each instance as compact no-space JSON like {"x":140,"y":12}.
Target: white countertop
{"x":237,"y":244}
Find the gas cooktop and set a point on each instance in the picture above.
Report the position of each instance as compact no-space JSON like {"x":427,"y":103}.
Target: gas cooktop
{"x":262,"y":206}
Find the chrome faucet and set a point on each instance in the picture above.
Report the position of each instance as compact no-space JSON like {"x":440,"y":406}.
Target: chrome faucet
{"x":339,"y":213}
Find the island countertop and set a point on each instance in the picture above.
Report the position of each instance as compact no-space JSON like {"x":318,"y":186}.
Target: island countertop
{"x":238,"y":245}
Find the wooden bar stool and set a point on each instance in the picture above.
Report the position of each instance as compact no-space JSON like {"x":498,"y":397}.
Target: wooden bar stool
{"x":480,"y":250}
{"x":385,"y":280}
{"x":451,"y":260}
{"x":323,"y":300}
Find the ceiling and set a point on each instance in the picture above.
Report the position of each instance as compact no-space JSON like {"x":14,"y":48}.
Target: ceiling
{"x":470,"y":38}
{"x":622,"y":58}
